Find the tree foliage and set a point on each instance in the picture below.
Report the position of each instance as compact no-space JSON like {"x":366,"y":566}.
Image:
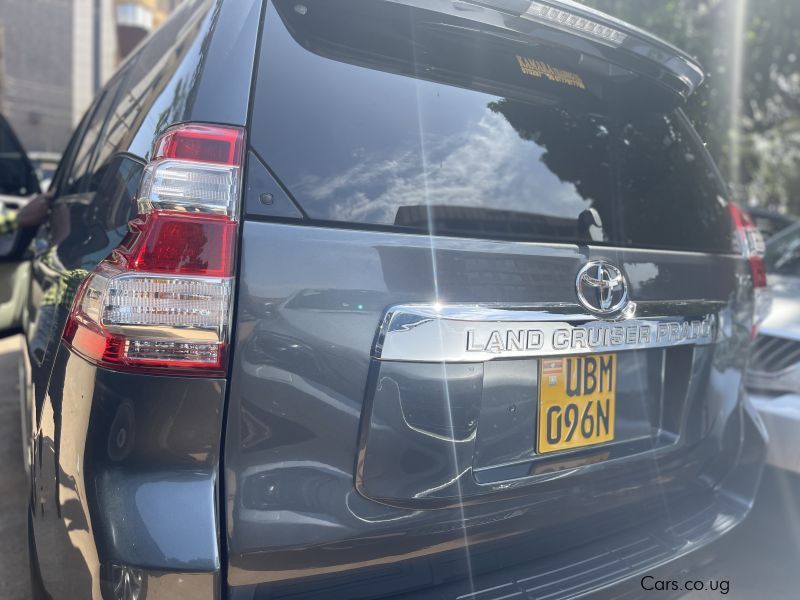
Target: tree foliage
{"x":748,"y":110}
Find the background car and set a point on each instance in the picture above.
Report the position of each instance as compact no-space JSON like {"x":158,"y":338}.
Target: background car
{"x":17,"y":173}
{"x":18,"y":182}
{"x":774,"y":370}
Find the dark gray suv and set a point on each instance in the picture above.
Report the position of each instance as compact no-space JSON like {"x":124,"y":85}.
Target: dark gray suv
{"x":367,"y":298}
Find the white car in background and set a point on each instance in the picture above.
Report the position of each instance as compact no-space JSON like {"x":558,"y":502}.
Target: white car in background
{"x":774,"y":371}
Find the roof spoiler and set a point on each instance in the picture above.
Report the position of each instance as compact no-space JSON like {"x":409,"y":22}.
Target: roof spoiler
{"x":564,"y":22}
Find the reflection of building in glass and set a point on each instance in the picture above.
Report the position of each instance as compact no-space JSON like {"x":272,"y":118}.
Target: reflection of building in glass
{"x":94,"y":51}
{"x":56,"y":54}
{"x":137,"y":18}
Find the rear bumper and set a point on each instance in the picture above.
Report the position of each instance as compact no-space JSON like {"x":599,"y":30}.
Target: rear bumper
{"x":618,"y":564}
{"x":680,"y":543}
{"x":614,"y":566}
{"x":681,"y":537}
{"x":781,"y":416}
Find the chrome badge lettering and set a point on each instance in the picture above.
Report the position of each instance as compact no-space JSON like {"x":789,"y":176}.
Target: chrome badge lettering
{"x":497,"y":341}
{"x":592,"y":337}
{"x":469,"y":333}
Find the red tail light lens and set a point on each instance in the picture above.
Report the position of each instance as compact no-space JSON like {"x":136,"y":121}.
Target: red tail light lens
{"x":185,"y":244}
{"x":759,"y":271}
{"x":751,"y":244}
{"x":219,"y":145}
{"x":162,"y":301}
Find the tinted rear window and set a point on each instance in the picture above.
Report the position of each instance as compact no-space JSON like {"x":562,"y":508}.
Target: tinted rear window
{"x":376,"y":114}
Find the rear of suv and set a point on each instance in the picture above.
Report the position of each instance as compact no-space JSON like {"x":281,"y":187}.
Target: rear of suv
{"x":355,"y":299}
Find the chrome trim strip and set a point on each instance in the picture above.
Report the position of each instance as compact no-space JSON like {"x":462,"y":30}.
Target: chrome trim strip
{"x":477,"y":333}
{"x":786,"y":380}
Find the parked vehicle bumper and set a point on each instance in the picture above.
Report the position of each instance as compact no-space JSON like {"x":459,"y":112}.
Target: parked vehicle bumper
{"x":781,"y":416}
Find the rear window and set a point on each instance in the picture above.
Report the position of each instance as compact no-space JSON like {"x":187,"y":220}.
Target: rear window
{"x":376,"y":114}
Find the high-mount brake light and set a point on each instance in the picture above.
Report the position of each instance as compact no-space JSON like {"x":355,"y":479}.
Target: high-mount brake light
{"x":562,"y":19}
{"x":162,"y":301}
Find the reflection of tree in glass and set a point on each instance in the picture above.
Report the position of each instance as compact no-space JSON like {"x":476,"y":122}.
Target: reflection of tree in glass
{"x":576,"y":148}
{"x":642,"y":171}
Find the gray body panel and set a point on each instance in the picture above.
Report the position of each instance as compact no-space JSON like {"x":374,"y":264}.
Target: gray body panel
{"x":324,"y":478}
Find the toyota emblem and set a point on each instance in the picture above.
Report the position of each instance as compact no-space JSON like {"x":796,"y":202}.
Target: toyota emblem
{"x":602,"y":287}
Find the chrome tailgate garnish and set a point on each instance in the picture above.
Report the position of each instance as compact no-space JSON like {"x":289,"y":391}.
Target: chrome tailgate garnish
{"x":469,"y":333}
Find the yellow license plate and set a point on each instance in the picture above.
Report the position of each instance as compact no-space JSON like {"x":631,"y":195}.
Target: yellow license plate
{"x":577,"y":396}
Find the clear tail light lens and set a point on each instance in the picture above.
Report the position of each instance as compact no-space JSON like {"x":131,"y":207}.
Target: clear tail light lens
{"x":162,"y":301}
{"x":183,"y":185}
{"x":148,"y":301}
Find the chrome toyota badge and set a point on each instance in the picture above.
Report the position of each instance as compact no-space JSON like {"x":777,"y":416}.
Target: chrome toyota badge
{"x":602,"y":287}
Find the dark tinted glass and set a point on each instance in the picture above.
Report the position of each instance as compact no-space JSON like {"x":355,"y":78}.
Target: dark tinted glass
{"x":105,"y":179}
{"x":16,"y":174}
{"x":668,"y":193}
{"x":78,"y":178}
{"x":410,"y":119}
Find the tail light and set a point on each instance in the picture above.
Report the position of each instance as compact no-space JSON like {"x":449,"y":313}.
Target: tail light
{"x":752,"y":246}
{"x":162,"y":301}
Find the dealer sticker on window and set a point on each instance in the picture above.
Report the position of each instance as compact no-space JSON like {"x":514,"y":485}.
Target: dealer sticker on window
{"x":538,"y":68}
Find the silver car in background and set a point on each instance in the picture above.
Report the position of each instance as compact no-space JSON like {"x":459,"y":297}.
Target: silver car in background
{"x":774,"y":371}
